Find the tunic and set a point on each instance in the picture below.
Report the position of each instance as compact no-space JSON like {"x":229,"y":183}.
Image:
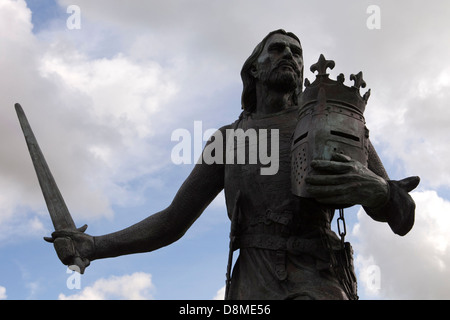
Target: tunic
{"x":271,"y":219}
{"x":286,"y":245}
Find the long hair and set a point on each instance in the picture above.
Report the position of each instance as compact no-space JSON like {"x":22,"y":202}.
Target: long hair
{"x":248,"y":99}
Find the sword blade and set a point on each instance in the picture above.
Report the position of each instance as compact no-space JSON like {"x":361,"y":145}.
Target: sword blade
{"x":57,"y":208}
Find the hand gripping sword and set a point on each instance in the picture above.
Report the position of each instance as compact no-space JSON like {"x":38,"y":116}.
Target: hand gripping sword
{"x":61,"y":218}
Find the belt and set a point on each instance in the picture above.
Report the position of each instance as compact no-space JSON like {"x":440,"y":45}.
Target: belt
{"x":293,"y":245}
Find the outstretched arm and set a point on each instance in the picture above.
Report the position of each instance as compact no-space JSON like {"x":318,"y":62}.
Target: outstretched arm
{"x":170,"y":224}
{"x":158,"y":230}
{"x":399,"y":209}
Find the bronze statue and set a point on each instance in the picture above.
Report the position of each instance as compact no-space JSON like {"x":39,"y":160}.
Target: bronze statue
{"x":287,"y":248}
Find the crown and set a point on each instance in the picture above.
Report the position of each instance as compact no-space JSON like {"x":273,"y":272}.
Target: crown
{"x":333,"y":91}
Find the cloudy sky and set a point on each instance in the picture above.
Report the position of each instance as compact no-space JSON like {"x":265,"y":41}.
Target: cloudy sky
{"x":105,"y":93}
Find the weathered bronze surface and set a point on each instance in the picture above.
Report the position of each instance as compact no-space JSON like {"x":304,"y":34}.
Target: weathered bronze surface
{"x":331,"y":120}
{"x":287,"y":247}
{"x":60,"y":215}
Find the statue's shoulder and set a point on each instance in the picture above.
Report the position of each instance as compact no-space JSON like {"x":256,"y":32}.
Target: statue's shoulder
{"x":234,"y":124}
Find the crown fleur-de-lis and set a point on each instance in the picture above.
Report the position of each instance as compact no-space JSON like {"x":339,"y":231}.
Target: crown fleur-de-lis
{"x":322,"y":65}
{"x":359,"y":81}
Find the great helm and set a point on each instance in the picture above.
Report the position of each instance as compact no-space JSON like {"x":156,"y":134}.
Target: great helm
{"x":330,"y":120}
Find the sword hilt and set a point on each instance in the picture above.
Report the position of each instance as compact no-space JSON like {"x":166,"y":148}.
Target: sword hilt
{"x":76,"y":263}
{"x":66,"y":249}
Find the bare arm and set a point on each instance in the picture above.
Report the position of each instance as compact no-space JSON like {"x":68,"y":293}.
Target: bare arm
{"x":170,"y":224}
{"x":156,"y":231}
{"x":399,"y":210}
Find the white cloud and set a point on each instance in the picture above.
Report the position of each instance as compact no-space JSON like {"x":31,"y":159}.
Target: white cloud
{"x":220,"y":294}
{"x":413,"y":127}
{"x":137,"y":286}
{"x":416,"y":266}
{"x":407,"y":112}
{"x":98,"y":118}
{"x":93,"y":117}
{"x":28,"y":226}
{"x":3,"y":293}
{"x":125,"y":93}
{"x":102,"y":100}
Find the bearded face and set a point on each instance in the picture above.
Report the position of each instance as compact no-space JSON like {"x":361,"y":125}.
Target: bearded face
{"x":281,"y":78}
{"x":280,"y":63}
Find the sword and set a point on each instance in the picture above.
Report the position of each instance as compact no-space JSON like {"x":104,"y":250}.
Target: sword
{"x":59,"y":214}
